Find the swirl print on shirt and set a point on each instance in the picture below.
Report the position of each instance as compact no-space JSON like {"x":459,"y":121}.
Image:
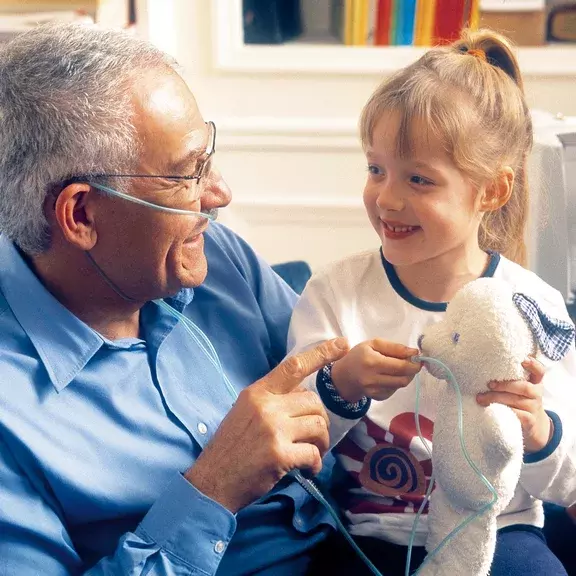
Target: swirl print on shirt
{"x":389,"y":470}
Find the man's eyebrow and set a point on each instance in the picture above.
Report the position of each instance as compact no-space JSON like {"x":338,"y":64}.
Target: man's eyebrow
{"x":186,"y":162}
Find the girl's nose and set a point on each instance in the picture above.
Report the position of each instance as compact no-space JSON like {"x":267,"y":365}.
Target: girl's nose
{"x":388,"y":198}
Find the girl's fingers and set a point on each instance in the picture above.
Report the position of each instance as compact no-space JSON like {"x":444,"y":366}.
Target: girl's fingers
{"x":508,"y":399}
{"x":536,"y":369}
{"x":518,"y":387}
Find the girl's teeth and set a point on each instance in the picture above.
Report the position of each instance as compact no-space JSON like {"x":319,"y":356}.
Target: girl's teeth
{"x":400,"y":228}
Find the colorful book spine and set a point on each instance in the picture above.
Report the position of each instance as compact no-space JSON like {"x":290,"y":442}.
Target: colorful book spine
{"x":405,"y":23}
{"x":424,"y":27}
{"x":361,"y":22}
{"x":348,"y":22}
{"x":383,"y":22}
{"x":448,"y":21}
{"x":356,"y":22}
{"x":473,"y":20}
{"x":394,"y":21}
{"x":372,"y":15}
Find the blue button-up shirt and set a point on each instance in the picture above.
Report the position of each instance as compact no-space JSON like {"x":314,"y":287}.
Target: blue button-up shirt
{"x":94,"y":434}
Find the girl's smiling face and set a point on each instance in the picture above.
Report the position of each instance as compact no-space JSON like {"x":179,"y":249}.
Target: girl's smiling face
{"x":420,"y":204}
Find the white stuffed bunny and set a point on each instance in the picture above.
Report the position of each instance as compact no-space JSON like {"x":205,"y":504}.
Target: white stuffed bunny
{"x":487,"y":332}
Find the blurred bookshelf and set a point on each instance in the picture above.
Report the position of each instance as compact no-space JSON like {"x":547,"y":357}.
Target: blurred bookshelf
{"x":47,"y":5}
{"x":318,"y":49}
{"x":16,"y":17}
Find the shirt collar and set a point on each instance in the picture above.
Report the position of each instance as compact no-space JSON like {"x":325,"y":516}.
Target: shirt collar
{"x":182,"y":299}
{"x":63,"y":342}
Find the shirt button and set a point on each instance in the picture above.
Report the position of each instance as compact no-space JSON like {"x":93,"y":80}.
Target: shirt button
{"x":202,"y":428}
{"x":219,"y":547}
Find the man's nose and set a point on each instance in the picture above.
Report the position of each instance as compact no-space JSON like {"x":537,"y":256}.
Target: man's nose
{"x":216,"y":194}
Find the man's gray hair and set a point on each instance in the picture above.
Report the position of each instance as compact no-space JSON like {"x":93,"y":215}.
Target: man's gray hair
{"x":64,"y":111}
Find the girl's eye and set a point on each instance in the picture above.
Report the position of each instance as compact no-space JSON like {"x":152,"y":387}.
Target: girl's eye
{"x":374,"y":170}
{"x":421,"y":181}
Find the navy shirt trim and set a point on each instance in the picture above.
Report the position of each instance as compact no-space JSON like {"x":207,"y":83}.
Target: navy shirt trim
{"x":551,"y":446}
{"x":405,"y":294}
{"x":334,"y":402}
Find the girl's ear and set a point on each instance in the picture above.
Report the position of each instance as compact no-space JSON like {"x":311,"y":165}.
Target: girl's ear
{"x":555,"y":337}
{"x":498,"y":191}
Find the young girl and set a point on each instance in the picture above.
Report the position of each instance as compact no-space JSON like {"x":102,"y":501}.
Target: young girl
{"x":446,"y":141}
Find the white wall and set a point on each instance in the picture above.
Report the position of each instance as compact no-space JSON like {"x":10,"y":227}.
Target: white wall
{"x":287,"y":140}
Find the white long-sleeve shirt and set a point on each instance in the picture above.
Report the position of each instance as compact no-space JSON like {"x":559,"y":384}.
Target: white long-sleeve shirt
{"x":387,"y":467}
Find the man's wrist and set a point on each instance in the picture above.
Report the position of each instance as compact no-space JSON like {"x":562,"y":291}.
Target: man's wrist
{"x":209,"y":487}
{"x":187,"y":524}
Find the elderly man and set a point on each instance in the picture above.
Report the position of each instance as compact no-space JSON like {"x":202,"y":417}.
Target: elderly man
{"x":122,"y":447}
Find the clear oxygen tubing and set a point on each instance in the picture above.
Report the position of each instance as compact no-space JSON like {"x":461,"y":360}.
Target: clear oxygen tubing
{"x":206,"y":346}
{"x":460,"y":431}
{"x":208,"y":215}
{"x":208,"y":349}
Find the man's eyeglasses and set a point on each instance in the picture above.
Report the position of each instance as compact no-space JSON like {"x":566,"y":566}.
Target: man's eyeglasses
{"x":198,"y":172}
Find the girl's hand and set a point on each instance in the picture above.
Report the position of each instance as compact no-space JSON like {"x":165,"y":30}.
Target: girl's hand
{"x":376,"y":368}
{"x":525,"y":398}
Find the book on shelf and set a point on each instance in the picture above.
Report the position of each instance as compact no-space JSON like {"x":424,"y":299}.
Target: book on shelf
{"x":561,"y":24}
{"x":448,"y":20}
{"x":523,"y":21}
{"x":405,"y":23}
{"x":402,"y":22}
{"x":424,"y":23}
{"x":359,"y":22}
{"x":271,"y":21}
{"x":384,"y":14}
{"x":353,"y":21}
{"x":371,"y":29}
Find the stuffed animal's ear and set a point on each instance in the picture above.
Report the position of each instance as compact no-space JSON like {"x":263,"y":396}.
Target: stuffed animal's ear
{"x":555,"y":337}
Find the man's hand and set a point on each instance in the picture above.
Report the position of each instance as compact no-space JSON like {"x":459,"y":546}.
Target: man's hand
{"x":273,"y":428}
{"x":376,"y":368}
{"x":525,"y":398}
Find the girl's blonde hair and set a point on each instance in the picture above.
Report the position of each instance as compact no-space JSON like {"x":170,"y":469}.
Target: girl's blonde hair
{"x":470,"y":96}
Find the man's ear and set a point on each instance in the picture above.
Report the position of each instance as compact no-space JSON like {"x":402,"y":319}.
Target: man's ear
{"x":73,"y":212}
{"x":498,"y":191}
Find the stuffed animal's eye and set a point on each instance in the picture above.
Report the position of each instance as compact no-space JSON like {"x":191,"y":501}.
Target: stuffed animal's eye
{"x":455,"y":337}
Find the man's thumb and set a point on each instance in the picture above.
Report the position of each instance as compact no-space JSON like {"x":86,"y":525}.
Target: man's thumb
{"x":289,"y":374}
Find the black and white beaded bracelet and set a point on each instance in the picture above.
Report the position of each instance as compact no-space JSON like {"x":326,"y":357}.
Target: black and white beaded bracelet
{"x":332,"y":399}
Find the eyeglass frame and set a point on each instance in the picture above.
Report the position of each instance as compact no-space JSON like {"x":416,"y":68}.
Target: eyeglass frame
{"x":209,"y":152}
